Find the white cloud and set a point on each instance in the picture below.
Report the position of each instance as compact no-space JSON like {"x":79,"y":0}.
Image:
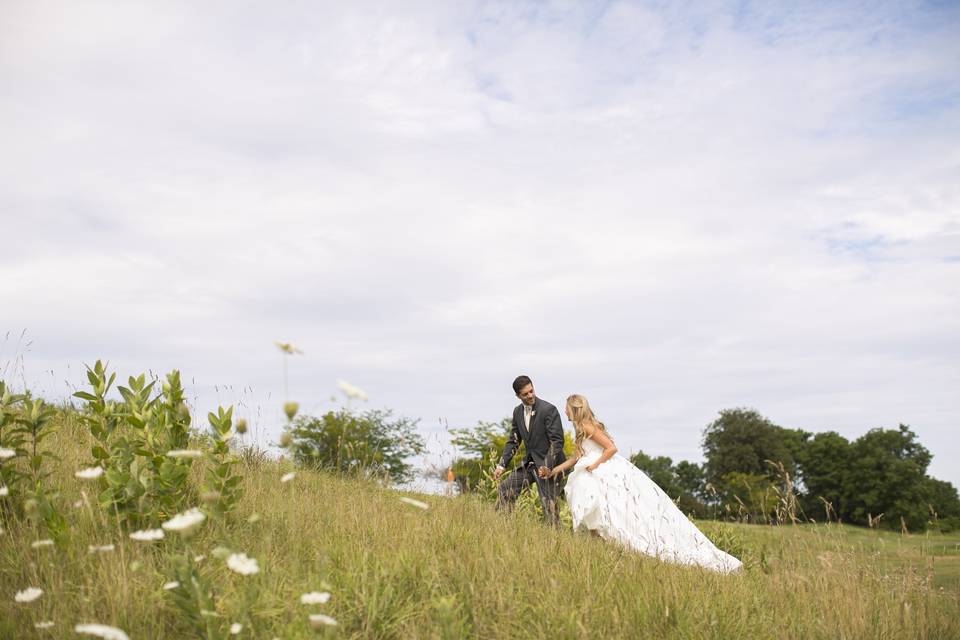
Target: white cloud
{"x":673,"y":211}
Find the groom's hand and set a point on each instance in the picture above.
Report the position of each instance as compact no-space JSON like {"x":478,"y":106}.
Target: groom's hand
{"x":497,"y":472}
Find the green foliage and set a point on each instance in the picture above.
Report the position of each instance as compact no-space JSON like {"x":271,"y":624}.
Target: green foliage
{"x":482,"y":445}
{"x":24,"y":425}
{"x":743,"y":441}
{"x":141,"y":483}
{"x":223,"y":486}
{"x":887,"y":474}
{"x":193,"y":598}
{"x":749,"y":496}
{"x":370,"y":442}
{"x":11,"y":439}
{"x":683,"y":482}
{"x":825,"y":465}
{"x":752,"y":465}
{"x":457,"y":569}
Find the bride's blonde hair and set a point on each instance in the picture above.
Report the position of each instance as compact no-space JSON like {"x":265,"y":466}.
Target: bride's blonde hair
{"x":581,"y":413}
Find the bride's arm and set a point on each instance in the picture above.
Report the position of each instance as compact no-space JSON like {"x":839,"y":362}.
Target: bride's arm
{"x":560,"y":468}
{"x":601,"y":438}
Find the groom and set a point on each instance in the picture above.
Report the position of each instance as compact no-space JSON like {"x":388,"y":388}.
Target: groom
{"x":537,"y":424}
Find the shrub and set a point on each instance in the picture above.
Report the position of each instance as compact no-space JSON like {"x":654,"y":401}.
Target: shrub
{"x":370,"y":442}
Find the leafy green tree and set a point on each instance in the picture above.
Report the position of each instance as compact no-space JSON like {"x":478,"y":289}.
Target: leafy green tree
{"x":749,"y":496}
{"x":482,"y":445}
{"x":824,"y":465}
{"x":944,"y":505}
{"x":346,"y":442}
{"x":660,"y":470}
{"x":943,"y":498}
{"x":743,"y":441}
{"x":887,"y":474}
{"x":683,"y":482}
{"x":691,"y":478}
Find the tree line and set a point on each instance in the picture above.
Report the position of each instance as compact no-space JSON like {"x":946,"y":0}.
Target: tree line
{"x":757,"y":471}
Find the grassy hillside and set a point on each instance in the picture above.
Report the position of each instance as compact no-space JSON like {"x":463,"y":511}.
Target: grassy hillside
{"x":459,"y":569}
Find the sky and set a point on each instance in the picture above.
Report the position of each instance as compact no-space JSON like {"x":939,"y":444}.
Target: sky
{"x":671,"y":208}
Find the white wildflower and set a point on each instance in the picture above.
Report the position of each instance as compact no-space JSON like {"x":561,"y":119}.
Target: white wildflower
{"x":28,"y":595}
{"x":319,"y":621}
{"x":101,"y":631}
{"x":48,"y":624}
{"x":315,"y":597}
{"x":236,"y":628}
{"x":41,"y":543}
{"x":4,"y":491}
{"x":171,"y":585}
{"x":199,"y":558}
{"x":352,"y":392}
{"x":147,"y":535}
{"x":185,"y":523}
{"x":415,"y":503}
{"x":254,"y":517}
{"x":90,"y":473}
{"x":287,"y":477}
{"x":78,"y":504}
{"x":6,"y":453}
{"x":184,"y":453}
{"x":240,"y":563}
{"x":103,"y":548}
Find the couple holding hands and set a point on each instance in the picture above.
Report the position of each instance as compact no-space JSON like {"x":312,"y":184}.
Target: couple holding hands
{"x":607,"y":494}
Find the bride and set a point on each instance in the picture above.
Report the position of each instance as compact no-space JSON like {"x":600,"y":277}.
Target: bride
{"x":614,"y":499}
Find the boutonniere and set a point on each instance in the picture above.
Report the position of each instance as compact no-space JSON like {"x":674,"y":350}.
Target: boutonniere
{"x":533,"y":413}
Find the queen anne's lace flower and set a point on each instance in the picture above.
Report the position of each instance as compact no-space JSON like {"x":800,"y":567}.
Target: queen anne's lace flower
{"x":101,"y":631}
{"x":185,"y":523}
{"x":41,"y":543}
{"x":90,"y":473}
{"x":315,"y":597}
{"x":287,"y":477}
{"x":6,"y":453}
{"x":28,"y":595}
{"x":352,"y":392}
{"x":169,"y":586}
{"x":46,"y":624}
{"x":236,"y":628}
{"x":147,"y":535}
{"x":319,"y":621}
{"x":240,"y":563}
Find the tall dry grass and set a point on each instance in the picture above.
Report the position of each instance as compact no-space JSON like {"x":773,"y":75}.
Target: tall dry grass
{"x":456,"y":570}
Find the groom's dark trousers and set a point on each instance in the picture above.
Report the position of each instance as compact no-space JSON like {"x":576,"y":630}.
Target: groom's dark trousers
{"x":526,"y":476}
{"x":544,"y":445}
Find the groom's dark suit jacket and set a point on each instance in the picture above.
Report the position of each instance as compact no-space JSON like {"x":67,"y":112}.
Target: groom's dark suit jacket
{"x":544,"y":440}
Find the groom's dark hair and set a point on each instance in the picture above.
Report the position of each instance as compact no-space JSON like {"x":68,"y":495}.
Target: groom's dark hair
{"x":520,"y":383}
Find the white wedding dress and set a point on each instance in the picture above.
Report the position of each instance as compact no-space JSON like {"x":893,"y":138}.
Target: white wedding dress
{"x":622,"y":504}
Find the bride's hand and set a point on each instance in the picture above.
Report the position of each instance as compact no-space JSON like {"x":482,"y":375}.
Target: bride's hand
{"x":593,"y":467}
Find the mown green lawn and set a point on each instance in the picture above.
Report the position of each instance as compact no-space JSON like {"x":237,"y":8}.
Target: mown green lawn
{"x":929,"y":553}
